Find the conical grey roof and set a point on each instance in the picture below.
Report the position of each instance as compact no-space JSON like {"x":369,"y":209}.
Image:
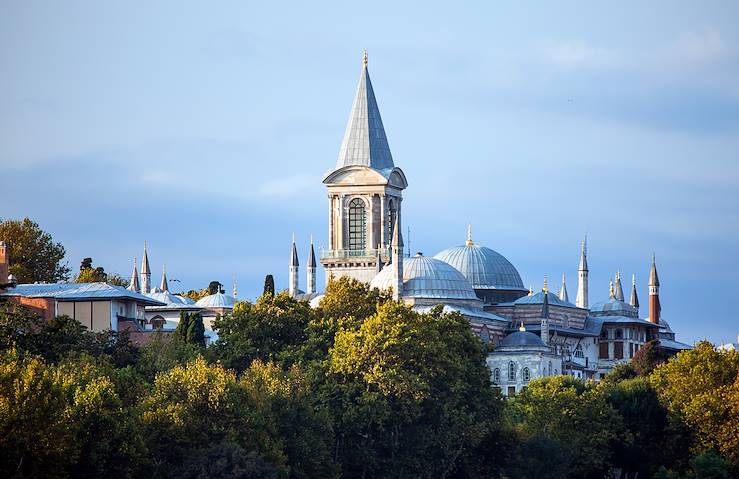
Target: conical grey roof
{"x":165,"y":284}
{"x":634,"y":300}
{"x":365,"y":143}
{"x":145,"y":269}
{"x":134,"y":284}
{"x":563,"y":290}
{"x":311,"y":256}
{"x":294,"y":256}
{"x":619,"y":292}
{"x":653,"y":278}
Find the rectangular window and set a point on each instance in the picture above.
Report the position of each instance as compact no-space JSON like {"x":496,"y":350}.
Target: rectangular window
{"x":618,"y":349}
{"x":603,"y":350}
{"x":511,"y":390}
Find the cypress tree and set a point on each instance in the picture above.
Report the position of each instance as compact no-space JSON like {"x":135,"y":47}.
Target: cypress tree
{"x":183,"y":326}
{"x":269,"y":285}
{"x":196,"y":330}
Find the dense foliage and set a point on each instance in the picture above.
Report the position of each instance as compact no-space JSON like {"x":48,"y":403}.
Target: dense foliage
{"x":33,"y":254}
{"x":359,"y":387}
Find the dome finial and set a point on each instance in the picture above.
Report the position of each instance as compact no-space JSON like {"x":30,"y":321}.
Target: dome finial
{"x":531,"y":290}
{"x":545,"y":288}
{"x":469,"y":241}
{"x":522,"y":328}
{"x":365,"y":57}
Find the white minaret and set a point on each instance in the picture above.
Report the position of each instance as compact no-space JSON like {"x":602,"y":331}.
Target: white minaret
{"x":134,"y":284}
{"x":397,"y":265}
{"x":581,"y":300}
{"x":545,"y":313}
{"x":293,"y":288}
{"x":311,"y":279}
{"x":145,"y":273}
{"x":563,"y":290}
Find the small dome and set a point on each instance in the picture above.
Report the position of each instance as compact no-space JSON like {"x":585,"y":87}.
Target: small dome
{"x":522,"y":339}
{"x":170,"y":299}
{"x":613,"y":307}
{"x":483,"y":267}
{"x":538,"y":298}
{"x":184,"y":299}
{"x":425,"y":277}
{"x":218,"y":300}
{"x":316,"y":301}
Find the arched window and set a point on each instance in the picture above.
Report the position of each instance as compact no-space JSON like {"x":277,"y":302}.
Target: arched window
{"x":526,"y":375}
{"x":392,"y":213}
{"x":496,"y":376}
{"x":357,"y":225}
{"x":604,"y":334}
{"x":511,"y":371}
{"x":579,"y":352}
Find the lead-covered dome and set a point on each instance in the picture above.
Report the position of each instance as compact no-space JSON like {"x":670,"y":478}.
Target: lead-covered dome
{"x":216,"y":301}
{"x":521,"y":340}
{"x":483,"y":267}
{"x":426,"y":277}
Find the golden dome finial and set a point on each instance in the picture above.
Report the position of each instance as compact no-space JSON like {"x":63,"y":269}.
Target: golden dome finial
{"x":522,"y":328}
{"x":365,"y":57}
{"x":469,"y":241}
{"x":545,"y":288}
{"x":531,"y":290}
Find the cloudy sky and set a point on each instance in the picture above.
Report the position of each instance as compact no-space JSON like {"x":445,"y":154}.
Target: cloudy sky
{"x":205,"y":128}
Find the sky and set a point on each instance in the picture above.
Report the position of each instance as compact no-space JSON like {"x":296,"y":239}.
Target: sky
{"x":205,"y":128}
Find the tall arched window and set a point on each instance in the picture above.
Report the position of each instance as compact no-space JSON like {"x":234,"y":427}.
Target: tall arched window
{"x":496,"y":376}
{"x":357,"y":225}
{"x":392,"y":213}
{"x":511,"y":371}
{"x":526,"y":375}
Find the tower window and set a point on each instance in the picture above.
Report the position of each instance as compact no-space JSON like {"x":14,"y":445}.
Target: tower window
{"x":357,"y":225}
{"x":526,"y":374}
{"x":496,"y":376}
{"x":511,"y":371}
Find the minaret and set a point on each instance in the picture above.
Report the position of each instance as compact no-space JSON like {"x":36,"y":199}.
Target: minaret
{"x":134,"y":284}
{"x":397,"y":265}
{"x":655,"y":309}
{"x":379,"y":264}
{"x":293,"y":288}
{"x":545,"y":313}
{"x":563,"y":290}
{"x":145,"y":272}
{"x":165,"y":284}
{"x":581,"y":300}
{"x":311,"y":278}
{"x":619,"y":294}
{"x":634,"y":301}
{"x":235,"y":291}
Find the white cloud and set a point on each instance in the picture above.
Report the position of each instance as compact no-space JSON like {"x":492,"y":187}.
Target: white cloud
{"x":288,"y":186}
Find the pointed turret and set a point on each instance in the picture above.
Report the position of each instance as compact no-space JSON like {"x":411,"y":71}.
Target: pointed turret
{"x":294,"y":264}
{"x":134,"y":284}
{"x":311,"y":278}
{"x":365,"y":142}
{"x":619,"y":291}
{"x":545,"y":313}
{"x":563,"y":290}
{"x":634,"y":300}
{"x":378,"y":262}
{"x":655,"y":309}
{"x":145,"y":272}
{"x":397,"y":265}
{"x":164,"y":286}
{"x":581,"y":299}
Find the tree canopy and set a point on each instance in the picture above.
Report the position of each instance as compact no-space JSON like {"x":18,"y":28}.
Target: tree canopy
{"x":34,"y":256}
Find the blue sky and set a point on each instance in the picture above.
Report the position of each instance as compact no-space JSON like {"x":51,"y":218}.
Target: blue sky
{"x":205,"y":128}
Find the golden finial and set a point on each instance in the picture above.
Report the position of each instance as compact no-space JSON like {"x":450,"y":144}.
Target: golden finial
{"x":545,"y":288}
{"x":522,"y":328}
{"x":469,"y":241}
{"x":365,"y":57}
{"x":531,"y":290}
{"x":611,"y":291}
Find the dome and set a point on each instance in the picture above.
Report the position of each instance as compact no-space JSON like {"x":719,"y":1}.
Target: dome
{"x":316,"y":301}
{"x":184,"y":299}
{"x":613,"y":307}
{"x":218,"y":300}
{"x":170,"y":299}
{"x":425,"y":277}
{"x":538,"y":298}
{"x":483,"y":267}
{"x":522,"y":339}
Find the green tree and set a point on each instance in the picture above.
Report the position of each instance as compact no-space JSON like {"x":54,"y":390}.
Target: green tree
{"x":33,"y":254}
{"x":183,"y":326}
{"x":196,"y":330}
{"x":700,"y":387}
{"x":269,"y":285}
{"x":411,"y":393}
{"x":647,"y":358}
{"x":215,"y":287}
{"x":575,"y":415}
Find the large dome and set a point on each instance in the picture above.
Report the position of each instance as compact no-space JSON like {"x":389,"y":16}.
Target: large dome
{"x":483,"y":267}
{"x":425,"y":277}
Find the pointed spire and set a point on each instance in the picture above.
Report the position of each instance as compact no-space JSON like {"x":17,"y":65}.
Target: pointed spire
{"x":619,"y":292}
{"x":365,"y":142}
{"x":563,"y":290}
{"x":634,"y":300}
{"x":469,"y":241}
{"x":164,"y":286}
{"x":293,"y":275}
{"x":584,"y":255}
{"x":653,"y":278}
{"x":145,"y":262}
{"x":311,"y":255}
{"x":294,"y":254}
{"x":134,"y":284}
{"x":581,"y":299}
{"x":545,"y":304}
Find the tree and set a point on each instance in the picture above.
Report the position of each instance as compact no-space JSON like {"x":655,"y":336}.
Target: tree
{"x":215,"y":287}
{"x":33,"y":254}
{"x":195,"y":294}
{"x":91,"y":275}
{"x":269,"y":285}
{"x":575,"y":415}
{"x":183,"y":326}
{"x":410,"y":392}
{"x":196,"y":330}
{"x":647,"y":358}
{"x":700,"y":387}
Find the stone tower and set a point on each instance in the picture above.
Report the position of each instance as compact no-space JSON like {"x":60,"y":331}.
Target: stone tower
{"x":581,"y":301}
{"x":294,"y":264}
{"x":655,"y":310}
{"x":311,"y":270}
{"x":365,"y":192}
{"x":145,"y":273}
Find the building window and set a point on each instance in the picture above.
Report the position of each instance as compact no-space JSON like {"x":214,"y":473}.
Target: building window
{"x":392,"y":214}
{"x":603,"y":350}
{"x":511,"y":390}
{"x":604,"y":334}
{"x":357,"y":225}
{"x":578,"y":351}
{"x":511,"y":371}
{"x":526,"y":375}
{"x":619,"y":334}
{"x":566,"y":322}
{"x":496,"y":376}
{"x":618,"y":349}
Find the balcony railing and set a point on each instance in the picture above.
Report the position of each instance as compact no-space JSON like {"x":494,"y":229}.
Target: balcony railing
{"x":354,"y":253}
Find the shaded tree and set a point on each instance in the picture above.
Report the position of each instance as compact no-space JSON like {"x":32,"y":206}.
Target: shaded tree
{"x":34,"y":256}
{"x":647,"y":358}
{"x":269,"y":285}
{"x":196,"y":330}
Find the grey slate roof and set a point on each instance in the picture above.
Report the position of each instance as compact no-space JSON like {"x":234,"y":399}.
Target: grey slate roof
{"x":365,"y":142}
{"x":79,"y":291}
